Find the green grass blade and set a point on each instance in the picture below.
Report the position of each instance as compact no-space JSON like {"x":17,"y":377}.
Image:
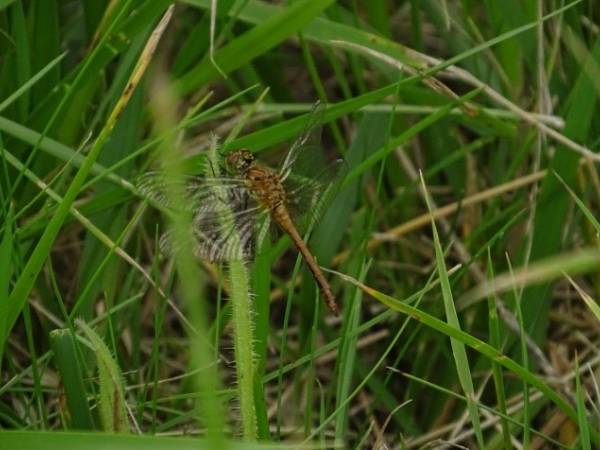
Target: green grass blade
{"x":458,"y":349}
{"x":495,"y":341}
{"x":23,"y":57}
{"x":31,"y":440}
{"x":589,"y":215}
{"x":5,"y":3}
{"x":46,"y":40}
{"x":258,"y":40}
{"x":347,"y":360}
{"x":524,"y":358}
{"x":69,"y":367}
{"x":31,"y":82}
{"x":6,"y":273}
{"x":587,"y":299}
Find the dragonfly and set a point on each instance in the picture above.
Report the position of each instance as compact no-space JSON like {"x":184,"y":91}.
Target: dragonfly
{"x":232,"y":212}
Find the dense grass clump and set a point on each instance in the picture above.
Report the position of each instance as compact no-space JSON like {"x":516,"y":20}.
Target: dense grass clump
{"x":446,"y":182}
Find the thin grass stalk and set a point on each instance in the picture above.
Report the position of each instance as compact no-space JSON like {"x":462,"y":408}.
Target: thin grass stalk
{"x":458,"y":348}
{"x":242,"y":315}
{"x":582,"y":416}
{"x":494,"y":337}
{"x":243,"y":323}
{"x":517,"y":290}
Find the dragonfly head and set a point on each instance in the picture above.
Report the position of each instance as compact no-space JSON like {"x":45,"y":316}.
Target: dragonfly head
{"x":239,"y":161}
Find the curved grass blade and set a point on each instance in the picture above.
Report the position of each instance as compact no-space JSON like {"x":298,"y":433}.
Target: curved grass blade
{"x":69,"y":367}
{"x":459,"y":352}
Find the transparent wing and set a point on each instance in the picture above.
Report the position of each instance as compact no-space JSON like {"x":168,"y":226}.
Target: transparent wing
{"x":197,"y":191}
{"x":309,"y":142}
{"x":308,"y":196}
{"x":223,"y":212}
{"x":226,"y":231}
{"x":310,"y":181}
{"x":220,"y":236}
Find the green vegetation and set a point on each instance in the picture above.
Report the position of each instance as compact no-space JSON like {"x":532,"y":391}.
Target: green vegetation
{"x":460,"y":239}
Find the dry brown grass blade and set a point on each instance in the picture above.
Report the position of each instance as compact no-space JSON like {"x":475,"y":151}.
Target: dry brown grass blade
{"x":141,"y":66}
{"x":444,"y":211}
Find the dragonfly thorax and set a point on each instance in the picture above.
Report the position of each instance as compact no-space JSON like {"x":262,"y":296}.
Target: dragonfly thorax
{"x":265,"y":186}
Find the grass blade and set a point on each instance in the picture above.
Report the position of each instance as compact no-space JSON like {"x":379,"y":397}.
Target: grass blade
{"x":69,"y":367}
{"x":582,"y":416}
{"x":6,"y":272}
{"x":458,"y":349}
{"x":259,"y":39}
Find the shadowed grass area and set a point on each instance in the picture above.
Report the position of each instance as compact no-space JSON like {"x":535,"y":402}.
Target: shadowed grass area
{"x":461,"y":243}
